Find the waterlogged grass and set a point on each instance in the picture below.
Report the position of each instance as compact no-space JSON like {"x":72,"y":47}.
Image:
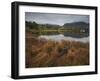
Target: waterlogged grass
{"x":48,"y":53}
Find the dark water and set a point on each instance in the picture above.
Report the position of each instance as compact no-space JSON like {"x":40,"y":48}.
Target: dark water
{"x":66,"y":34}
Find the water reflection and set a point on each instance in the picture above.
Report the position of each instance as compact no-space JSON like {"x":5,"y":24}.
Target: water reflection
{"x":62,"y":35}
{"x":66,"y":34}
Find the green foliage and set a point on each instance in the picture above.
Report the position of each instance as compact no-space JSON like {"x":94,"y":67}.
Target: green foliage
{"x":31,"y":25}
{"x":71,"y":27}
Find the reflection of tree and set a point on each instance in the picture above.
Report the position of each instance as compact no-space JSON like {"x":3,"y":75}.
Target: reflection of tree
{"x":60,"y":30}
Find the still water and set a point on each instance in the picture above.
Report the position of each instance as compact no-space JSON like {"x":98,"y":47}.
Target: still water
{"x":57,"y":36}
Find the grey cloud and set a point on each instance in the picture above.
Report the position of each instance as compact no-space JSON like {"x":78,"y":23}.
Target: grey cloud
{"x":50,"y":18}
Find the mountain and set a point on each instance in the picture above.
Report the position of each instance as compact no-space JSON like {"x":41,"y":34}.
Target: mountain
{"x":79,"y":25}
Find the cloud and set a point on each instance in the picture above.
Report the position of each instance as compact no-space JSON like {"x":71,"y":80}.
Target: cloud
{"x":52,"y":18}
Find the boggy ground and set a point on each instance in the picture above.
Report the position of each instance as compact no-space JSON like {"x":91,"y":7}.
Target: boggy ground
{"x":48,"y":53}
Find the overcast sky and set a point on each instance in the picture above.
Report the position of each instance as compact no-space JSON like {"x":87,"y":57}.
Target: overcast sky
{"x":59,"y":19}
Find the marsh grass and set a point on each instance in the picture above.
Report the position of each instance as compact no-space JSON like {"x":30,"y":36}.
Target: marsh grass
{"x":48,"y":53}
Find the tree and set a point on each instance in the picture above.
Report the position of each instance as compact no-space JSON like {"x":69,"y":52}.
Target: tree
{"x":31,"y":25}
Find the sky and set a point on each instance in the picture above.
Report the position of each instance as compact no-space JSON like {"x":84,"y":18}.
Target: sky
{"x":52,"y":18}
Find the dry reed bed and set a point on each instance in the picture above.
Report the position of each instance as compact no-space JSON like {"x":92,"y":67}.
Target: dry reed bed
{"x":47,"y":53}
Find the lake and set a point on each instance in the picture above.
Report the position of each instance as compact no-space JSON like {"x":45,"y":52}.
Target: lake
{"x":63,"y":35}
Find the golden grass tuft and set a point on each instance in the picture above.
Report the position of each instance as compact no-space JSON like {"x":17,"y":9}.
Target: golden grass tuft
{"x":47,"y":53}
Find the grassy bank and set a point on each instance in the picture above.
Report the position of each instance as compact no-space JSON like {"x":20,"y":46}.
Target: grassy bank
{"x":47,"y":53}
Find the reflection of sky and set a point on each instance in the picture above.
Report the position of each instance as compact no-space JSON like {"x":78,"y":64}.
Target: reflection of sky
{"x":60,"y":19}
{"x":62,"y":37}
